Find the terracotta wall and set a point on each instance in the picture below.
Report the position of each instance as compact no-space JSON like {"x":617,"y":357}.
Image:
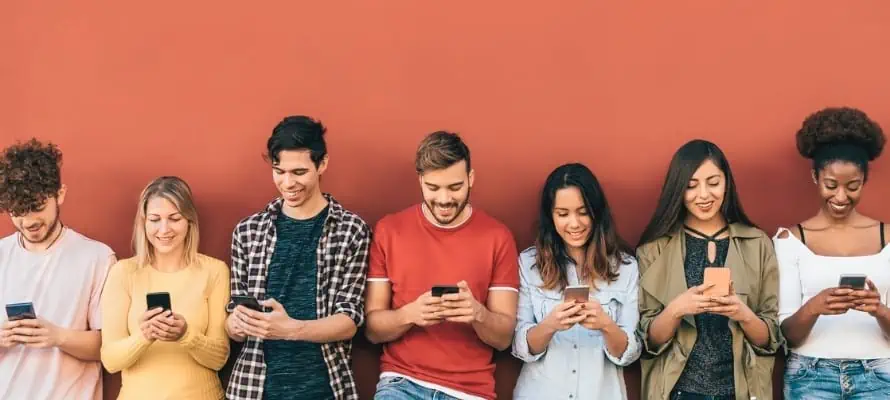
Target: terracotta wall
{"x":135,"y":90}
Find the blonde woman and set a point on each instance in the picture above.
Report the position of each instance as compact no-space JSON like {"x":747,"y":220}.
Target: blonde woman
{"x":175,"y":352}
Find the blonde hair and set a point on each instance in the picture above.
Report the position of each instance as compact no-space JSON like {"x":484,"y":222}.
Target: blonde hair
{"x":175,"y":190}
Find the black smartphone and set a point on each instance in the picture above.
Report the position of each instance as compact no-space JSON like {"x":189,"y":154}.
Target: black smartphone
{"x":439,"y":290}
{"x":852,"y":281}
{"x":247,"y":301}
{"x":19,"y":311}
{"x":158,"y":300}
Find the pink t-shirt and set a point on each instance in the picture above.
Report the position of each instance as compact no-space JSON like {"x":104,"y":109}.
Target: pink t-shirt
{"x":65,"y":284}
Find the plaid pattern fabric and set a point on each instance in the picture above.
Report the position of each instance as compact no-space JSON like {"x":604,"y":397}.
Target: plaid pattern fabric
{"x":342,"y":265}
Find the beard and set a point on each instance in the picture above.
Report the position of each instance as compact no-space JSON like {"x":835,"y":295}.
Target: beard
{"x":458,"y":207}
{"x":52,"y":228}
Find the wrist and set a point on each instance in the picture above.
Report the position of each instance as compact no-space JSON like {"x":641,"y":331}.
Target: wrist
{"x":403,"y":315}
{"x":62,"y":337}
{"x":673,"y":313}
{"x":295,"y":329}
{"x":481,"y":314}
{"x":610,"y":328}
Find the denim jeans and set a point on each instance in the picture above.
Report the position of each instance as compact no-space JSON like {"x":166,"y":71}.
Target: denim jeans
{"x":809,"y":378}
{"x":399,"y":388}
{"x":678,"y":395}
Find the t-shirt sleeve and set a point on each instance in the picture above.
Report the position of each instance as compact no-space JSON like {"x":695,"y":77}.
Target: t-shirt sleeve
{"x":377,"y":257}
{"x":103,"y":264}
{"x":505,"y":274}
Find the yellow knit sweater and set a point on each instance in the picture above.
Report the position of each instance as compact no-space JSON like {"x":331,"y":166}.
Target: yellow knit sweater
{"x":184,"y":369}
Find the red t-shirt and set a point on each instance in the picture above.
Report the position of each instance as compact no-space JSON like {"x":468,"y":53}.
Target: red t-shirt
{"x":413,"y":254}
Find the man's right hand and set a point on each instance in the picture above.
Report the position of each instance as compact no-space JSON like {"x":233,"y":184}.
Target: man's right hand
{"x":831,"y":301}
{"x":424,"y":311}
{"x":6,"y":336}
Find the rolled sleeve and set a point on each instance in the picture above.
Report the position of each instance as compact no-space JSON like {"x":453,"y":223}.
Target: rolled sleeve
{"x":351,"y":293}
{"x":629,"y":318}
{"x":649,"y":308}
{"x":525,"y":318}
{"x":768,"y":302}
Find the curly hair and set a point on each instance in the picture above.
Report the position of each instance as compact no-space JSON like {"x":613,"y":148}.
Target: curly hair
{"x":30,"y":173}
{"x":840,"y":134}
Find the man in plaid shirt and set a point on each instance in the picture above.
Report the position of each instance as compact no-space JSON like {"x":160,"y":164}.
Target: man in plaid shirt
{"x":304,"y":259}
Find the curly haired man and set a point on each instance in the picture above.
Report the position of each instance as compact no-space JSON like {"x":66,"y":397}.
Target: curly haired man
{"x":51,"y":278}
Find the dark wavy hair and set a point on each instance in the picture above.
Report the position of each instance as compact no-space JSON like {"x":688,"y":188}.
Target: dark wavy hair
{"x":671,"y":209}
{"x":30,"y":173}
{"x":840,"y":134}
{"x":297,"y":132}
{"x":605,"y":250}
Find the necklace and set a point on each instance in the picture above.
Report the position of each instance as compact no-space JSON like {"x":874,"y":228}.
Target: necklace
{"x":61,"y":232}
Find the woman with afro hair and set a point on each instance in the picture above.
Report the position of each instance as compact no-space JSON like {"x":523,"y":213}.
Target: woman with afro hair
{"x":834,"y":269}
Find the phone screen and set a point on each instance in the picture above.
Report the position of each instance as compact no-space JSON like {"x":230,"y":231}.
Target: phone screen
{"x":439,"y":290}
{"x":852,"y":281}
{"x":19,"y":311}
{"x":158,"y":300}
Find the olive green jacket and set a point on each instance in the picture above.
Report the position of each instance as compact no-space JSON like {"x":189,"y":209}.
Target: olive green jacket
{"x":755,"y":277}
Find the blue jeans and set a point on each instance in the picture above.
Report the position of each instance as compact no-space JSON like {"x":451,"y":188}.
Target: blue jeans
{"x":808,"y":378}
{"x":399,"y":388}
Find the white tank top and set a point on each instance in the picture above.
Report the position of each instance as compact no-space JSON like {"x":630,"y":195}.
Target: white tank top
{"x":803,"y":274}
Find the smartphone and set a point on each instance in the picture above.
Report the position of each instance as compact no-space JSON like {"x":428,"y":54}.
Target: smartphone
{"x":577,"y":293}
{"x":247,"y":301}
{"x":720,"y":277}
{"x":158,"y":300}
{"x":852,"y":281}
{"x":19,"y":311}
{"x":439,"y":290}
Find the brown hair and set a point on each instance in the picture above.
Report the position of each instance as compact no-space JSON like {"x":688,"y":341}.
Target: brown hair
{"x":440,"y":150}
{"x":605,"y":250}
{"x":30,"y":173}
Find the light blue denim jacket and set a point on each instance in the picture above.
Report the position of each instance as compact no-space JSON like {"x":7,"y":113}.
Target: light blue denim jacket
{"x":576,"y":364}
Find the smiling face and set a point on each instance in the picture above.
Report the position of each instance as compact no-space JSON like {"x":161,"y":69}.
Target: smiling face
{"x":571,"y":218}
{"x":840,"y":187}
{"x":446,"y":192}
{"x":296,"y":177}
{"x":705,"y":192}
{"x":165,"y":226}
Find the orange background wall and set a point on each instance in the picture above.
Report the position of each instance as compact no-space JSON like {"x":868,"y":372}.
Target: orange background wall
{"x":133,"y":91}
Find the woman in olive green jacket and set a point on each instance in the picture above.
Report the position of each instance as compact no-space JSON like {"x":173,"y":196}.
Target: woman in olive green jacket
{"x":698,"y":343}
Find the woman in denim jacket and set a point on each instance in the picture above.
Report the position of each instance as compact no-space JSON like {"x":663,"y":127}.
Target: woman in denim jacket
{"x":576,"y":350}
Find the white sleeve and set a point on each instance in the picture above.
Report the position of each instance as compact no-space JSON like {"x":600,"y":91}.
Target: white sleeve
{"x":788,"y":256}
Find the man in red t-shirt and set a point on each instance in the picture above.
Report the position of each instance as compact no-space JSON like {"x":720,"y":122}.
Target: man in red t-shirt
{"x":441,"y":344}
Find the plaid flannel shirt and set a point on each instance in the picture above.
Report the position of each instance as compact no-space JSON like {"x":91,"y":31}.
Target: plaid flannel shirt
{"x":342,"y":271}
